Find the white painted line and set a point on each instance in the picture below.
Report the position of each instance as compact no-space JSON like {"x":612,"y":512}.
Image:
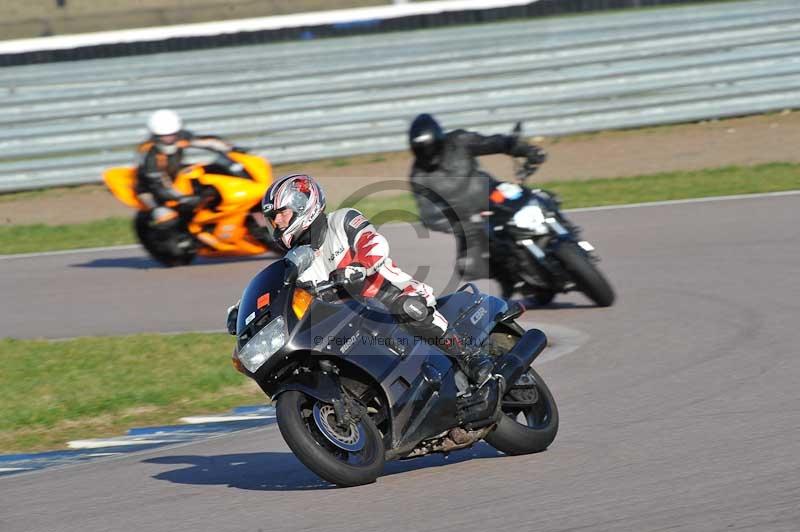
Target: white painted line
{"x":7,"y":469}
{"x":98,"y":455}
{"x":192,"y":420}
{"x":581,"y":209}
{"x":97,"y":444}
{"x":153,"y":451}
{"x":69,"y":252}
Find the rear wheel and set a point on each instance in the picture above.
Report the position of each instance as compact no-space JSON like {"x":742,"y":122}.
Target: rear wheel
{"x":345,"y":456}
{"x":588,"y":278}
{"x":169,"y":245}
{"x":530,"y":420}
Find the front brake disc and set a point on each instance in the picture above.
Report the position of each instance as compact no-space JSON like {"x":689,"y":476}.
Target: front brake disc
{"x":351,"y":440}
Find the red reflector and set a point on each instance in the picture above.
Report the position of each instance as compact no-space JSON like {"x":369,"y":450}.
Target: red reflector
{"x":263,"y":300}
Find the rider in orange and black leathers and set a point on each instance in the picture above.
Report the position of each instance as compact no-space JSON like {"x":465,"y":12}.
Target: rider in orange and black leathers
{"x":159,"y":159}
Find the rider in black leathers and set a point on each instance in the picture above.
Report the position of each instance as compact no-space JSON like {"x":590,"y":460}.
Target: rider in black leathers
{"x":450,"y":188}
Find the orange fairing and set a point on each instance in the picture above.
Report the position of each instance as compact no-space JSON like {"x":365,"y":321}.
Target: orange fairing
{"x":256,"y":166}
{"x":223,"y":229}
{"x":236,"y":193}
{"x":122,"y":183}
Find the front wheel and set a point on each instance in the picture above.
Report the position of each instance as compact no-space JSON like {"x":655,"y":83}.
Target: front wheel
{"x":588,"y":278}
{"x":168,"y":245}
{"x":530,"y":420}
{"x":345,"y":456}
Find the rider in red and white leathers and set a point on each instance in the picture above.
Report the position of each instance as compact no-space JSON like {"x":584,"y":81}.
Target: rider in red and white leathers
{"x":350,"y":250}
{"x":353,"y":248}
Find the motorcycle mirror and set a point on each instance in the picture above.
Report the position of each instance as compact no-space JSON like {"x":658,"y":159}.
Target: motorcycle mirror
{"x":301,"y":257}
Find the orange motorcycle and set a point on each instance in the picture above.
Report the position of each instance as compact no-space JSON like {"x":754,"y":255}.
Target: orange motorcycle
{"x":226,"y":222}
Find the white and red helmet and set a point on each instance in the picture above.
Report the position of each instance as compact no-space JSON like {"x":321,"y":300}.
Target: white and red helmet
{"x":300,"y":193}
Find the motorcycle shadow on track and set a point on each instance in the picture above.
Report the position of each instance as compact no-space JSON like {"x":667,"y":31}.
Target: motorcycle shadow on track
{"x":146,"y":263}
{"x":277,"y":471}
{"x":561,"y":305}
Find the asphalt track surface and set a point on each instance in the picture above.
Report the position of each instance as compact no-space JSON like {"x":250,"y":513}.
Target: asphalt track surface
{"x":679,"y":412}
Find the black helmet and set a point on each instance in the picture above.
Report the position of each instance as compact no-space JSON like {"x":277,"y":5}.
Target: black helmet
{"x":426,"y":138}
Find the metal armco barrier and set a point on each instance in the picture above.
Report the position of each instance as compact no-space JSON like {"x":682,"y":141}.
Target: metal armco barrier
{"x":63,"y":123}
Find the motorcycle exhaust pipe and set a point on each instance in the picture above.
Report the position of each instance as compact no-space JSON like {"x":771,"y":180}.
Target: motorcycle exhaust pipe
{"x":514,"y":363}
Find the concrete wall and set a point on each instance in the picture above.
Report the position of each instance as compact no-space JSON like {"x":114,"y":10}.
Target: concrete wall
{"x":36,"y":18}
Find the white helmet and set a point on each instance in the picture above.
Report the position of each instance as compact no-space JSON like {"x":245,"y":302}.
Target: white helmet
{"x":164,"y":122}
{"x":164,"y":126}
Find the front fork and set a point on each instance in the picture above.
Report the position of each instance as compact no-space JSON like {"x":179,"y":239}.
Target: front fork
{"x":552,"y":276}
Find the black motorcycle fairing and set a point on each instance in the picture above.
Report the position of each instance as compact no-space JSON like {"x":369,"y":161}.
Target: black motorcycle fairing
{"x":415,"y":379}
{"x":361,"y":340}
{"x":320,"y":385}
{"x":411,"y":381}
{"x":265,"y":296}
{"x":406,"y":370}
{"x":472,"y":315}
{"x":426,"y":409}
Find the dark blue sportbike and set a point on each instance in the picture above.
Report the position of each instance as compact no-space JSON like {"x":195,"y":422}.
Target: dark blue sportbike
{"x":354,"y":388}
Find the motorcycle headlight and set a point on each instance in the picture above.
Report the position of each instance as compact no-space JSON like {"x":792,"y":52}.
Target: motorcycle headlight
{"x":263,"y":345}
{"x":531,"y":217}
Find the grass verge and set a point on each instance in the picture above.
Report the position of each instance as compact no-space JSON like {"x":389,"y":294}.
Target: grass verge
{"x":41,"y":237}
{"x":730,"y":180}
{"x":55,"y":391}
{"x":586,"y":193}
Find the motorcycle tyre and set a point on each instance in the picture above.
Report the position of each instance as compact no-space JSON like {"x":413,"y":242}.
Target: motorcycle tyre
{"x":588,"y":278}
{"x":159,"y":252}
{"x":317,"y":458}
{"x":514,"y":438}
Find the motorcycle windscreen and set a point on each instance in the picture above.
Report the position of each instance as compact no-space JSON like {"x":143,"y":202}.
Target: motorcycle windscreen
{"x":264,"y":294}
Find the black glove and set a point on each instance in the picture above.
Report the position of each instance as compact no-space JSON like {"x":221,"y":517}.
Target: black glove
{"x":189,"y":201}
{"x":188,"y":204}
{"x":351,"y":278}
{"x":535,"y":156}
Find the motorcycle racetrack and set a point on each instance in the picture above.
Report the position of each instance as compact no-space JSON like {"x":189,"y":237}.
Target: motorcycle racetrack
{"x":678,"y":405}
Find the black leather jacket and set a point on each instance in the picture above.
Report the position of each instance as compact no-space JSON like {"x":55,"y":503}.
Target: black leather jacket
{"x":452,"y":188}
